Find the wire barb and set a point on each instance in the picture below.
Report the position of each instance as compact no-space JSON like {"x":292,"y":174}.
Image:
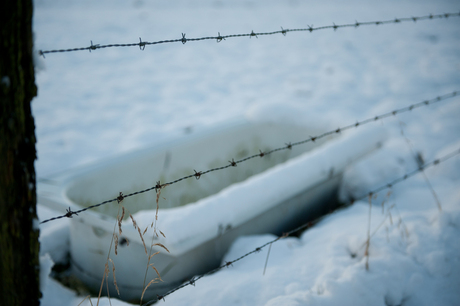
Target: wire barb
{"x":283,"y":31}
{"x":197,"y":175}
{"x":158,"y":186}
{"x":120,"y":198}
{"x":69,"y":213}
{"x":93,"y":47}
{"x":219,"y":38}
{"x":141,"y":44}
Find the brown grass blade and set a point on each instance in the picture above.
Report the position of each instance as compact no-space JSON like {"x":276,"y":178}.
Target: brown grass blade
{"x":104,"y":277}
{"x":150,"y":257}
{"x":161,"y":245}
{"x":158,"y":273}
{"x":114,"y":277}
{"x":115,"y":238}
{"x":143,"y":291}
{"x":89,"y":299}
{"x":142,"y":238}
{"x":134,"y":221}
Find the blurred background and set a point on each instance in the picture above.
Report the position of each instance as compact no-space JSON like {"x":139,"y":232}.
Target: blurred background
{"x":91,"y":105}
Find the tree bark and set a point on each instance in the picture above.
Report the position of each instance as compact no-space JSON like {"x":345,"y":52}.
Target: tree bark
{"x":19,"y":246}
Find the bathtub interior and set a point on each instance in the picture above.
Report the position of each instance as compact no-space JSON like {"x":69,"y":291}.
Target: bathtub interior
{"x":200,"y":152}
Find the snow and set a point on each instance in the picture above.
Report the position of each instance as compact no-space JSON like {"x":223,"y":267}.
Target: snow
{"x":91,"y":106}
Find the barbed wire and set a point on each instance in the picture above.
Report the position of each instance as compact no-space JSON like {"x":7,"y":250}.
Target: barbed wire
{"x":142,"y":44}
{"x":233,"y":163}
{"x":309,"y":224}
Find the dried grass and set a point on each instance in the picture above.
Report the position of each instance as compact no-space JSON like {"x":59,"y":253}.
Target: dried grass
{"x":89,"y":299}
{"x":420,"y":161}
{"x":104,"y":278}
{"x":143,"y":242}
{"x":161,"y":245}
{"x":115,"y":242}
{"x":115,"y":238}
{"x":106,"y":270}
{"x":266,"y":260}
{"x":121,"y":220}
{"x":368,"y":241}
{"x":134,"y":221}
{"x":389,"y":216}
{"x":114,"y":277}
{"x":158,"y":273}
{"x":145,"y":288}
{"x":150,"y":256}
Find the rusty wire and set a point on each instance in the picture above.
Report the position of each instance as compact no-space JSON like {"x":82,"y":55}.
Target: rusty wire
{"x":142,"y":44}
{"x":421,"y":168}
{"x":288,"y":146}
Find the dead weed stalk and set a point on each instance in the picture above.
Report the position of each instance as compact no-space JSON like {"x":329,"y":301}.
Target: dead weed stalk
{"x":420,"y":161}
{"x":152,"y":244}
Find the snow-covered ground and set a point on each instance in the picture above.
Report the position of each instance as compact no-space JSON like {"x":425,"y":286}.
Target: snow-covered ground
{"x":94,"y":105}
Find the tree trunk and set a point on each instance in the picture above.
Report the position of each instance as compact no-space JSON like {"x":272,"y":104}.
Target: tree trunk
{"x":19,"y":264}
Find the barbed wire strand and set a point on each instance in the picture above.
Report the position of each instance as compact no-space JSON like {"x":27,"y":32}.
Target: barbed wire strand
{"x":234,"y":163}
{"x":142,"y":44}
{"x":309,"y":224}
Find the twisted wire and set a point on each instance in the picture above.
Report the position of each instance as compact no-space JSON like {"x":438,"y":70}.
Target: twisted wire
{"x":142,"y":44}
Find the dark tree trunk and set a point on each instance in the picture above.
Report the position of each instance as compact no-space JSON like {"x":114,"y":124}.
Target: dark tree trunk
{"x":19,"y":264}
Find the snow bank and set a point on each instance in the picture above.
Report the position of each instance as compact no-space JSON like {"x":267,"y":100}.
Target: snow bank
{"x":410,"y":263}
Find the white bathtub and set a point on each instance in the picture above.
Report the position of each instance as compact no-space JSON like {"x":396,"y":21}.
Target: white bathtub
{"x":200,"y":218}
